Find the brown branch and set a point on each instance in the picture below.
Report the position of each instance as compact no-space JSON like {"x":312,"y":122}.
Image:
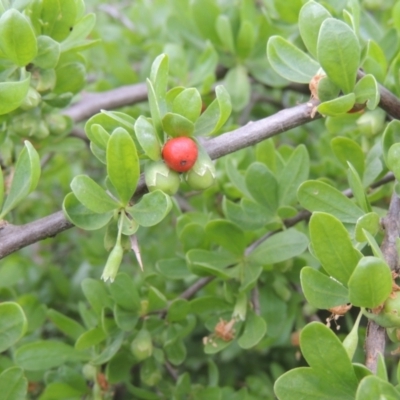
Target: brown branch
{"x":192,"y":290}
{"x":92,"y":103}
{"x":13,"y":238}
{"x":376,"y":335}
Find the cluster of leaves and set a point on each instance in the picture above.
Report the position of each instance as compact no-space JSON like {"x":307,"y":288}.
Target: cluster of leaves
{"x":232,"y":273}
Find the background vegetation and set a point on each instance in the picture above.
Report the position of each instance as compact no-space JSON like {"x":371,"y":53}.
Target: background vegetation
{"x":238,"y":291}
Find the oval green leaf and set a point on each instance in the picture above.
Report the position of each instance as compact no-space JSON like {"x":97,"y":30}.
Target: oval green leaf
{"x":280,"y":247}
{"x":254,"y":330}
{"x":332,"y":246}
{"x":289,"y":61}
{"x":123,"y":164}
{"x":44,"y":354}
{"x":152,"y":208}
{"x":13,"y":324}
{"x":13,"y":384}
{"x":319,"y":196}
{"x":92,"y":195}
{"x":321,"y":291}
{"x":81,"y":216}
{"x":371,"y":283}
{"x":25,"y":179}
{"x":215,"y":115}
{"x":339,"y":53}
{"x":147,"y":138}
{"x":12,"y":94}
{"x":18,"y":40}
{"x":337,"y":106}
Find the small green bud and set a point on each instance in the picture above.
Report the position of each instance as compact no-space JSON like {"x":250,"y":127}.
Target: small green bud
{"x":142,"y":345}
{"x":149,"y":372}
{"x":31,"y":100}
{"x":113,"y":262}
{"x":202,"y":175}
{"x":158,"y":176}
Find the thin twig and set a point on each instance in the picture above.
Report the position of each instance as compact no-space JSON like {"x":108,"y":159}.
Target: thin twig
{"x":192,"y":290}
{"x":171,"y":370}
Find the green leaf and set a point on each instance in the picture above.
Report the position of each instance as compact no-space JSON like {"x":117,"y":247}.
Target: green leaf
{"x":70,"y":77}
{"x":18,"y":41}
{"x":319,"y":196}
{"x":374,"y":61}
{"x":151,"y":209}
{"x":249,"y":215}
{"x":123,"y":164}
{"x":81,"y":216}
{"x":147,"y":138}
{"x":373,"y":244}
{"x":13,"y":384}
{"x":332,"y":246}
{"x":90,"y":338}
{"x":223,"y":27}
{"x":176,"y":125}
{"x":92,"y":195}
{"x":279,"y":247}
{"x":97,"y":295}
{"x":80,"y":31}
{"x":345,"y":150}
{"x":311,"y":17}
{"x":325,"y":353}
{"x":215,"y":115}
{"x":327,"y":90}
{"x":205,"y":14}
{"x":358,"y":189}
{"x":173,"y":268}
{"x":188,"y":104}
{"x":110,"y":350}
{"x":48,"y":52}
{"x":263,"y":186}
{"x":178,"y":310}
{"x":159,"y":79}
{"x":25,"y":179}
{"x":12,"y":94}
{"x":350,"y":342}
{"x":337,"y":106}
{"x":339,"y":53}
{"x":293,"y":175}
{"x":371,"y":283}
{"x":254,"y":330}
{"x":43,"y":355}
{"x":227,"y":235}
{"x":367,"y":91}
{"x":57,"y":17}
{"x":237,"y":84}
{"x":155,"y":110}
{"x":369,"y":222}
{"x":157,"y":300}
{"x":390,"y":136}
{"x":124,"y":292}
{"x":321,"y":291}
{"x":61,"y":390}
{"x":305,"y":384}
{"x":246,"y":39}
{"x":289,"y":61}
{"x":204,"y":263}
{"x":13,"y":324}
{"x":373,"y":387}
{"x":66,"y":325}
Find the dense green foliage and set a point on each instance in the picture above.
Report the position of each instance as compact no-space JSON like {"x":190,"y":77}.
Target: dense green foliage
{"x":213,"y":283}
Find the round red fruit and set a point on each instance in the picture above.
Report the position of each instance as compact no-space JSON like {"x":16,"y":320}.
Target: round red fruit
{"x":180,"y":153}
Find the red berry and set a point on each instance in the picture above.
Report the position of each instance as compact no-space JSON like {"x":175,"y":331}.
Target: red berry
{"x":180,"y":153}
